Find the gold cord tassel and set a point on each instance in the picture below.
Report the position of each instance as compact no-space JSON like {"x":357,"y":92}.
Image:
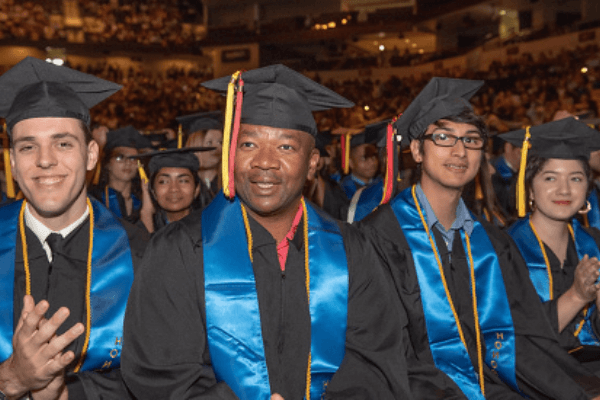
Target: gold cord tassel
{"x":143,"y":175}
{"x":521,"y":178}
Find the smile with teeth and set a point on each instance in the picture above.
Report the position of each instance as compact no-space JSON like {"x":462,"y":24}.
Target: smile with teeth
{"x":264,"y":185}
{"x":457,"y":167}
{"x":49,"y":180}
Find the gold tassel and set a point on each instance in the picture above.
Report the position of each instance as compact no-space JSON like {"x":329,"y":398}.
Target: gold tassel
{"x":227,"y":135}
{"x":10,"y":184}
{"x":143,"y":175}
{"x":180,"y":137}
{"x":346,"y":155}
{"x":521,"y":178}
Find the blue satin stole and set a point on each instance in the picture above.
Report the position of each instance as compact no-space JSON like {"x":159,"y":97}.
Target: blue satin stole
{"x":369,"y":199}
{"x":503,"y":169}
{"x":113,"y":202}
{"x":538,"y":271}
{"x":593,"y":216}
{"x":232,"y":312}
{"x":495,"y":320}
{"x":112,"y":276}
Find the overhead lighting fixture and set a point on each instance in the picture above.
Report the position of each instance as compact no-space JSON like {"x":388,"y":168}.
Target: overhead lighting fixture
{"x":331,"y":24}
{"x":381,"y":47}
{"x":584,"y":70}
{"x":502,"y":12}
{"x":344,"y":21}
{"x":414,"y":45}
{"x":421,"y":51}
{"x":367,"y":108}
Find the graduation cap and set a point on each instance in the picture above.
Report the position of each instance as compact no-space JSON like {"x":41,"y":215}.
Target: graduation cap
{"x":567,"y":139}
{"x":273,"y":96}
{"x":127,"y":136}
{"x":201,"y":121}
{"x":440,"y":98}
{"x":36,"y":89}
{"x":198,"y":122}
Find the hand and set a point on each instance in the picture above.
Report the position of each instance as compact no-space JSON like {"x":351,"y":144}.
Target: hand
{"x":56,"y":390}
{"x":586,"y":275}
{"x":276,"y":396}
{"x":37,"y":357}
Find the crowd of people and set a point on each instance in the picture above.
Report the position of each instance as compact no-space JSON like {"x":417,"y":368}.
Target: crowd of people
{"x":150,"y":266}
{"x":153,"y":23}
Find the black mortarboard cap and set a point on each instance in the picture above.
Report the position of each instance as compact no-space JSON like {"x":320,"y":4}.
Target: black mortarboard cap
{"x":173,"y":158}
{"x":201,"y":121}
{"x":280,"y":97}
{"x":127,"y":136}
{"x":565,"y":138}
{"x":36,"y":89}
{"x":374,"y":133}
{"x":440,"y":98}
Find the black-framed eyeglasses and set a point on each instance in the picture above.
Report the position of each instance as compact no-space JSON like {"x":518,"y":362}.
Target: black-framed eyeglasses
{"x":449,"y":140}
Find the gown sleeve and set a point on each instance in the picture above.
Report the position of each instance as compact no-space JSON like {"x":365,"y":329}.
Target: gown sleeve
{"x":165,"y":352}
{"x":374,"y":366}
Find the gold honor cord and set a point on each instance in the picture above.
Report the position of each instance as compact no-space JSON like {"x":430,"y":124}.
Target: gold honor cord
{"x":473,"y":288}
{"x":88,"y":284}
{"x":550,"y":280}
{"x":106,"y":203}
{"x":306,"y":268}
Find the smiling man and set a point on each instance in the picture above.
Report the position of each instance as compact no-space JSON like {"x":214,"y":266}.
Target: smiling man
{"x":265,"y":296}
{"x":473,"y":313}
{"x":65,"y":261}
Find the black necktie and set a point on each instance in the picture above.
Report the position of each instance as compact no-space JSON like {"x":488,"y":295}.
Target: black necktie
{"x":55,"y":241}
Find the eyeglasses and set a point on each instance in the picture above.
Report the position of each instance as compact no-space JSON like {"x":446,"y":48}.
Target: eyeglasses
{"x":448,"y":140}
{"x":122,"y":158}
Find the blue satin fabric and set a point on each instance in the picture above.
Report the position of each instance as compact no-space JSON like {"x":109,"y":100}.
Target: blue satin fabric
{"x":9,"y":221}
{"x":538,"y":272}
{"x":503,"y":169}
{"x":113,"y":202}
{"x":369,"y":199}
{"x":593,"y":216}
{"x":495,"y":320}
{"x":112,"y":276}
{"x":232,"y":310}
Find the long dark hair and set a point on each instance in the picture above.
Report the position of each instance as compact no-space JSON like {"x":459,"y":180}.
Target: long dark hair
{"x":535,"y":164}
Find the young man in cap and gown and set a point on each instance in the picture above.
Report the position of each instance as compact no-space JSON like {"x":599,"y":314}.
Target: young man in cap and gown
{"x":66,"y":263}
{"x":472,"y":310}
{"x":265,"y":295}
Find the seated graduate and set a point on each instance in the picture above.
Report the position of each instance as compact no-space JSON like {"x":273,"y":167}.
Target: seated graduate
{"x":592,"y":218}
{"x":361,"y":158}
{"x":205,"y":130}
{"x":473,"y":313}
{"x":174,"y":185}
{"x":368,"y":197}
{"x":320,"y":188}
{"x":66,"y":262}
{"x":562,"y":256}
{"x":119,"y":187}
{"x":262,"y":295}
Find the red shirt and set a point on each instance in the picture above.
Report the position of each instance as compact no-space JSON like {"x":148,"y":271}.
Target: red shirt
{"x":284,"y":246}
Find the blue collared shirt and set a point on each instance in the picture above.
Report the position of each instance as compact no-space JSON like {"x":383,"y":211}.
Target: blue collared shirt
{"x":463,"y":219}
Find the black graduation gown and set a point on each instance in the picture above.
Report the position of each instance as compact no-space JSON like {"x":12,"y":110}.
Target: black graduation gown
{"x":562,"y":279}
{"x":64,"y":285}
{"x":544,"y":369}
{"x":207,"y":193}
{"x":165,"y":354}
{"x":335,"y":202}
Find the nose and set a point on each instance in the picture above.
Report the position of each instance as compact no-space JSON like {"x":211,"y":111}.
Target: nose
{"x":46,"y":157}
{"x":564,"y":186}
{"x":265,"y":158}
{"x":459,"y":149}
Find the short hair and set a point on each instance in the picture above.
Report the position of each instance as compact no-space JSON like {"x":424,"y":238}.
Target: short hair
{"x":467,"y":116}
{"x":87,"y":133}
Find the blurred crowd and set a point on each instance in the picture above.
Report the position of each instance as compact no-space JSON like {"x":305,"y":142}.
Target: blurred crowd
{"x":161,"y":23}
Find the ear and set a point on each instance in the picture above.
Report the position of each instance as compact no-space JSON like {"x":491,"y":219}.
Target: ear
{"x":313,"y":162}
{"x":93,"y":152}
{"x":13,"y":166}
{"x":416,"y":151}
